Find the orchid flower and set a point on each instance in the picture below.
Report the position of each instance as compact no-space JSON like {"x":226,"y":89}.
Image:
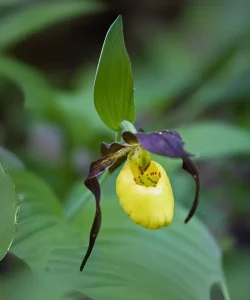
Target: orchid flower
{"x":142,"y":186}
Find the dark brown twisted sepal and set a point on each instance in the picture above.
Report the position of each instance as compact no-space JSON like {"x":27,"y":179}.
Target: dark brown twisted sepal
{"x":113,"y":148}
{"x":93,"y":185}
{"x":96,"y":168}
{"x":190,"y":167}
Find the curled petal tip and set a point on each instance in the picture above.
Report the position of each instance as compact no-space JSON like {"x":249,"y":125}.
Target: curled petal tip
{"x":190,"y":167}
{"x":96,"y":168}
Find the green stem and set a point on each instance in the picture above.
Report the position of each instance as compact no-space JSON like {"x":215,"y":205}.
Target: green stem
{"x":225,"y":291}
{"x":127,"y":126}
{"x":118,"y":136}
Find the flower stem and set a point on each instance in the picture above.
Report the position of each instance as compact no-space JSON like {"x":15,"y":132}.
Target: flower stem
{"x":225,"y":291}
{"x":127,"y":126}
{"x":118,"y":136}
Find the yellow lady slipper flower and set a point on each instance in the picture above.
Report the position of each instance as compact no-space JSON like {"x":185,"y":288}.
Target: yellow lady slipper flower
{"x":142,"y":186}
{"x":146,"y":196}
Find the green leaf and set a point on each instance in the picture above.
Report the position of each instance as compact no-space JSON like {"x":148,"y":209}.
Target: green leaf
{"x":8,"y":212}
{"x":39,"y":219}
{"x":33,"y":18}
{"x":39,"y":95}
{"x":41,"y":227}
{"x":213,"y":139}
{"x":113,"y":91}
{"x":10,"y":160}
{"x":128,"y":255}
{"x":181,"y":261}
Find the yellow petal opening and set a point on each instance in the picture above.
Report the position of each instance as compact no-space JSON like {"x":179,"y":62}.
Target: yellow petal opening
{"x":150,"y":205}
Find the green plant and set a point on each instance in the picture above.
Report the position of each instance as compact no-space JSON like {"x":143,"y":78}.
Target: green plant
{"x":193,"y":93}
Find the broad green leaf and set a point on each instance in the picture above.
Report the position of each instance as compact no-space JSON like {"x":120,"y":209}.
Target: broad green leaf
{"x":127,"y":255}
{"x":8,"y":212}
{"x":39,"y":95}
{"x":113,"y":90}
{"x":39,"y":219}
{"x":207,"y":140}
{"x":33,"y":18}
{"x":9,"y":160}
{"x":41,"y":229}
{"x":178,"y":262}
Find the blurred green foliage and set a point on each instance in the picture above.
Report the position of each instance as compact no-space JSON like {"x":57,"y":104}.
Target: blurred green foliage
{"x":191,"y":67}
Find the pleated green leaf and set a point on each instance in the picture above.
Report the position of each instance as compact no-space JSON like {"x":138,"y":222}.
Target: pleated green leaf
{"x":8,"y":212}
{"x":181,"y":261}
